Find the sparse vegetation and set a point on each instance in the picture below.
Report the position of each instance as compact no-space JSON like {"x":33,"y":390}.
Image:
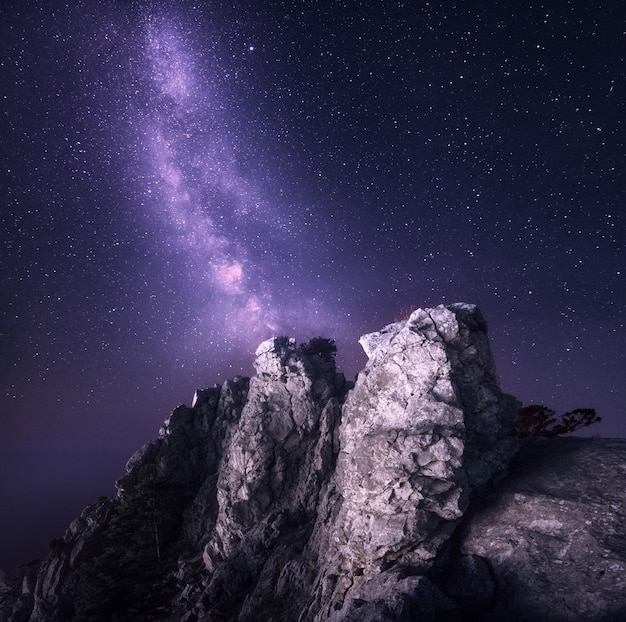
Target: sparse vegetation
{"x":326,"y":349}
{"x":136,"y":553}
{"x":56,"y":545}
{"x":539,"y":420}
{"x":404,"y":313}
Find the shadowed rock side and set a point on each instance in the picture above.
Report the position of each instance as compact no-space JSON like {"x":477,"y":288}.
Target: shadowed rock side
{"x":295,"y":496}
{"x":269,"y":486}
{"x":548,"y":543}
{"x":425,"y":425}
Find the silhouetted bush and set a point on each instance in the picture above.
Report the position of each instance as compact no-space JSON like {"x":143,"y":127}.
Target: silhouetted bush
{"x":56,"y":545}
{"x":538,"y":420}
{"x":324,"y":348}
{"x":137,"y":550}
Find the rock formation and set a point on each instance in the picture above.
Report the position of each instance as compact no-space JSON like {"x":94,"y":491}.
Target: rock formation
{"x":298,"y":496}
{"x":424,"y":426}
{"x":548,"y":542}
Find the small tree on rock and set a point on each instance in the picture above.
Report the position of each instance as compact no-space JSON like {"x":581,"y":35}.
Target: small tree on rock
{"x":137,"y":550}
{"x":538,"y":420}
{"x":319,"y":346}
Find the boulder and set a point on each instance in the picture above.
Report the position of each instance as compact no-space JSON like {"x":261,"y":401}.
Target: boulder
{"x":278,"y":461}
{"x":548,"y":543}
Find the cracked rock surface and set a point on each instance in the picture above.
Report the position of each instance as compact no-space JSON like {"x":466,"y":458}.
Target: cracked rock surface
{"x":298,"y":496}
{"x":425,"y":426}
{"x":548,"y":543}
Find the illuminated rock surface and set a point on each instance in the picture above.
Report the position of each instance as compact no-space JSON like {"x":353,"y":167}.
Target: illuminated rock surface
{"x":296,"y":496}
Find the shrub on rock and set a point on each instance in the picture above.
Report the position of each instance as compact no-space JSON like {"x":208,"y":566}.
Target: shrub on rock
{"x":324,"y":348}
{"x":539,"y":420}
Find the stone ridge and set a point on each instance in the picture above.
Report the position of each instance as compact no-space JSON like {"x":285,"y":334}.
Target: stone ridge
{"x":295,"y":495}
{"x":425,"y":426}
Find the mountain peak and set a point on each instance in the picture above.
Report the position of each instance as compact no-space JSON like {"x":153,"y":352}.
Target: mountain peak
{"x":296,"y":495}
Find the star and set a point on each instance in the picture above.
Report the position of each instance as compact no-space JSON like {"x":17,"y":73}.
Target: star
{"x":180,"y":184}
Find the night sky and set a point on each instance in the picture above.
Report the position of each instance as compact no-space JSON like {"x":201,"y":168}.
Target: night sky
{"x":182,"y":180}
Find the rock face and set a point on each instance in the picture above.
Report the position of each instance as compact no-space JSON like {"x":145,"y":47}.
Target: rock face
{"x":277,"y":464}
{"x":297,"y":496}
{"x":425,"y":425}
{"x":548,"y":542}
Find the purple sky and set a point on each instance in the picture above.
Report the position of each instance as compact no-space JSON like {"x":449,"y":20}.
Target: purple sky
{"x":180,"y":182}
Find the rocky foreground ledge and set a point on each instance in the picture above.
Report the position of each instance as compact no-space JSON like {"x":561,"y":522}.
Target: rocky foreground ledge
{"x":298,"y":496}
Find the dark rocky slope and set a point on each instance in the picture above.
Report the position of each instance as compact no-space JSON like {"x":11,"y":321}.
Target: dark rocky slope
{"x":295,"y":496}
{"x":548,"y":542}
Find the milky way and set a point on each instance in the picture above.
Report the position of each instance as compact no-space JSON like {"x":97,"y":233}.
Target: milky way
{"x":199,"y":187}
{"x":236,"y":244}
{"x":183,"y":180}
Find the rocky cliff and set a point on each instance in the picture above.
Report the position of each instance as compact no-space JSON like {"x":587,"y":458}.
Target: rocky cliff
{"x":298,"y":496}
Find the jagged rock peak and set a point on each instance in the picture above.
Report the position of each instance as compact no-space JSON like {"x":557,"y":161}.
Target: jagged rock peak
{"x":296,"y":495}
{"x":425,"y":426}
{"x":440,"y":323}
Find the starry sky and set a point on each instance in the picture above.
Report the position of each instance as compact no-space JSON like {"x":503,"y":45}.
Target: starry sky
{"x":182,"y":180}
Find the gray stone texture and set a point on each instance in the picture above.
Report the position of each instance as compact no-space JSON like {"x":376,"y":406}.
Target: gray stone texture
{"x":425,"y":425}
{"x":297,"y":496}
{"x":548,"y":543}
